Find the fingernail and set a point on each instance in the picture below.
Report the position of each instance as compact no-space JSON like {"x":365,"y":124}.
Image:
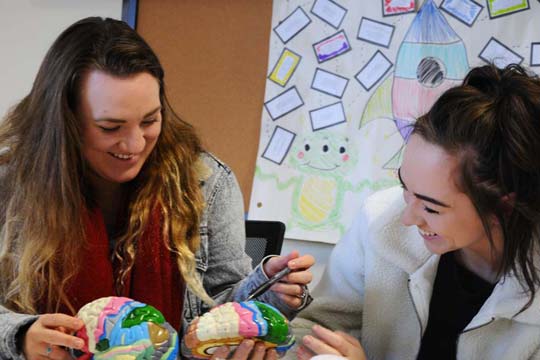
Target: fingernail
{"x":79,"y":344}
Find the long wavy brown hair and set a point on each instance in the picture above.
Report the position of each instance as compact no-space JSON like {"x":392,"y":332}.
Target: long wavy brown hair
{"x":43,"y":191}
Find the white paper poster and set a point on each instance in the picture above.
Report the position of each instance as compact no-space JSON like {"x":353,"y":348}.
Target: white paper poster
{"x":346,"y":78}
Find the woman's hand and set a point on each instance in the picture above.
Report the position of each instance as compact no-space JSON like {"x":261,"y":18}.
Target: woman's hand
{"x":324,"y":341}
{"x":49,"y":334}
{"x":246,"y":350}
{"x":291,"y":287}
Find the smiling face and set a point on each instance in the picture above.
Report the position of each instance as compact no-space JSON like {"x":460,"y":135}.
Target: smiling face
{"x":121,"y":123}
{"x":446,"y":218}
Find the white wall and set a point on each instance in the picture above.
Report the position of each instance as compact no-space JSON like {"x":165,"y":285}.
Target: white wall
{"x":28,"y":28}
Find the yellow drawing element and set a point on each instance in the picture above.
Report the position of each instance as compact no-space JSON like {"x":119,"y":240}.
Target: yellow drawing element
{"x":379,"y":105}
{"x":288,"y":61}
{"x":317,"y":199}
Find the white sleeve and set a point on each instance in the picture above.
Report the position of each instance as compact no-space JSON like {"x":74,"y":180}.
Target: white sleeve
{"x":338,"y":297}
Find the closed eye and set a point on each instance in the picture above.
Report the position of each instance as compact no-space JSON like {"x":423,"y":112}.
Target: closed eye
{"x":107,"y":129}
{"x":430,"y":210}
{"x":149,"y":122}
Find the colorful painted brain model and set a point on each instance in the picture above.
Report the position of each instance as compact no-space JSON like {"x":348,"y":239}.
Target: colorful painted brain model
{"x":122,"y":328}
{"x":230,"y":323}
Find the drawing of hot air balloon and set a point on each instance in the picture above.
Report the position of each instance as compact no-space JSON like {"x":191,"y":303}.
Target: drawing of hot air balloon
{"x":431,"y":59}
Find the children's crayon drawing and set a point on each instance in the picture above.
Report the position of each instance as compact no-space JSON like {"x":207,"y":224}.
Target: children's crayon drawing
{"x":334,"y":125}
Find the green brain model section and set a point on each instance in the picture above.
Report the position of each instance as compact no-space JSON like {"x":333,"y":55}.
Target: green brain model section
{"x":142,"y":314}
{"x":278,"y":326}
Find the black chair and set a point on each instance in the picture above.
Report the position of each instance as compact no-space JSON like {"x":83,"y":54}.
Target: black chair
{"x":263,"y":238}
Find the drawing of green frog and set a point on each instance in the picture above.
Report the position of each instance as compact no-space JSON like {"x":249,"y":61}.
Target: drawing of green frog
{"x":323,"y":160}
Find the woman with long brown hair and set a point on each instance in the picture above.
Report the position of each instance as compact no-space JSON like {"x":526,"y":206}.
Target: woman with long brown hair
{"x":105,"y":191}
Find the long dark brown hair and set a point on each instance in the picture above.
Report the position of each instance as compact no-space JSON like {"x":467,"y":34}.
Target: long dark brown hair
{"x":43,"y":190}
{"x":491,"y":124}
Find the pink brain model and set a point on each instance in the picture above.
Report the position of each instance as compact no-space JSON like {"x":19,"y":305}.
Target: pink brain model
{"x":121,"y":328}
{"x":232,"y":322}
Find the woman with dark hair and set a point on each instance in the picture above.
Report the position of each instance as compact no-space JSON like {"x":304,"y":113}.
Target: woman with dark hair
{"x":104,"y":191}
{"x":447,"y":267}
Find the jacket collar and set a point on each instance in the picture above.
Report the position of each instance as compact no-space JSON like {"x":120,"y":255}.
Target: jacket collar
{"x":404,"y":247}
{"x":400,"y":245}
{"x":506,"y":301}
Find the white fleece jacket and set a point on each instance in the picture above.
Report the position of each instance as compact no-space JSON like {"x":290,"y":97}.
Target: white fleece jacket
{"x":377,"y":286}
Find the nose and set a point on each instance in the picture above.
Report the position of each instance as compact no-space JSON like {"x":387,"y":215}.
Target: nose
{"x":412,"y":214}
{"x":133,"y":142}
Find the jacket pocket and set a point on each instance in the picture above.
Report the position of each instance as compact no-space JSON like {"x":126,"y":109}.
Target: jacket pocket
{"x":201,"y":256}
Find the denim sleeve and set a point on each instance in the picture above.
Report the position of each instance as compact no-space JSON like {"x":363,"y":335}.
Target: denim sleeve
{"x":227,"y":263}
{"x":229,"y":276}
{"x":10,"y":324}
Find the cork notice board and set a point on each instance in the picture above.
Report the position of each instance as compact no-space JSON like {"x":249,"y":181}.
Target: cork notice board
{"x":215,"y":55}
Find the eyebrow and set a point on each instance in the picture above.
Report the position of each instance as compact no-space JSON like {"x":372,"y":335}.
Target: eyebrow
{"x":420,"y":196}
{"x":120,"y":121}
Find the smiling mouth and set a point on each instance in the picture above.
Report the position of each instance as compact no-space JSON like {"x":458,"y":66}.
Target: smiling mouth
{"x":426,"y":233}
{"x":318,"y":168}
{"x":122,"y":156}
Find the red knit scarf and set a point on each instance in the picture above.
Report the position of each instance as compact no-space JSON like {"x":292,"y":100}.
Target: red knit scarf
{"x":154,"y":278}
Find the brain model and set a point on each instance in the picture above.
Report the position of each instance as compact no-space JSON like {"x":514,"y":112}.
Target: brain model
{"x":121,"y":328}
{"x":230,"y":323}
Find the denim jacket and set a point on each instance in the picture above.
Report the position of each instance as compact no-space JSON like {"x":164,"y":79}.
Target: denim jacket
{"x":224,"y":267}
{"x":222,"y":263}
